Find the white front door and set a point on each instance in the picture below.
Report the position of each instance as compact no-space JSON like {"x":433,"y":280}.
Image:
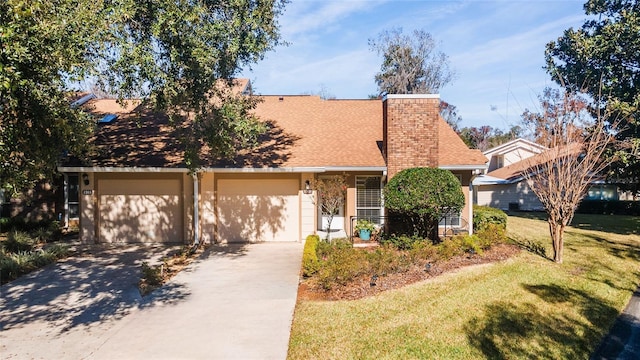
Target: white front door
{"x":337,"y":223}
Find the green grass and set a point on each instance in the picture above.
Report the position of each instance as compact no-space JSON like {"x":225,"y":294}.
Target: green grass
{"x":523,"y":308}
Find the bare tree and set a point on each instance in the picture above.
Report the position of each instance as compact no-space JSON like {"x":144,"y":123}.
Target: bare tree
{"x":331,"y":192}
{"x":561,"y":176}
{"x":411,"y":64}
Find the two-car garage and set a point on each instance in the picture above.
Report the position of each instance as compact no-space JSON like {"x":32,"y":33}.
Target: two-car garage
{"x":158,"y":209}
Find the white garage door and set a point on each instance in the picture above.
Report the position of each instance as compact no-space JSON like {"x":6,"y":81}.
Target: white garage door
{"x":140,"y":211}
{"x":258,"y":210}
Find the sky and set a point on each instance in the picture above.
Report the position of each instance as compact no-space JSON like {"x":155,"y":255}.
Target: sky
{"x":496,"y":48}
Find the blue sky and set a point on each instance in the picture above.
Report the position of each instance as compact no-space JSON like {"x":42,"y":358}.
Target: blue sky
{"x":495,"y":47}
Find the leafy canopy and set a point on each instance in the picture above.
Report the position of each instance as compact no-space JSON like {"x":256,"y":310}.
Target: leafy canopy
{"x":602,"y":60}
{"x":178,"y":55}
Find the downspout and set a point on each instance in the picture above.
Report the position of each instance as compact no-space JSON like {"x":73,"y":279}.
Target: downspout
{"x":196,"y":215}
{"x":66,"y":201}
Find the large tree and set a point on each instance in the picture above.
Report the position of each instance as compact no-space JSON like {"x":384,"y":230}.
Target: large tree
{"x":560,"y":176}
{"x":43,"y":45}
{"x":411,"y":64}
{"x":179,"y":55}
{"x":602,"y":59}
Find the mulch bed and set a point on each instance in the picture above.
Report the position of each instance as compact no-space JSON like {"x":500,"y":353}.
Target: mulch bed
{"x":361,"y":287}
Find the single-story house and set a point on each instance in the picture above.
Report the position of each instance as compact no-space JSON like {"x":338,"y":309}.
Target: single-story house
{"x":136,"y":187}
{"x":505,"y":188}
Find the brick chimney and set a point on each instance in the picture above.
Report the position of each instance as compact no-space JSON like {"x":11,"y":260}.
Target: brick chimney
{"x":410,"y":131}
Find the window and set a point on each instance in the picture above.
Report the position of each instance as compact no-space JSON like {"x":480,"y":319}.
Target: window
{"x":499,"y":161}
{"x":450,"y":220}
{"x":72,"y":196}
{"x":602,"y":192}
{"x":369,"y":198}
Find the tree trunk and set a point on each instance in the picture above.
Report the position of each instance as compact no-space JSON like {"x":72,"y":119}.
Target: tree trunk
{"x":557,"y":237}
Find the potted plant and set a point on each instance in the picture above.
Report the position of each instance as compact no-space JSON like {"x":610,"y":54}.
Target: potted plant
{"x":365,"y":228}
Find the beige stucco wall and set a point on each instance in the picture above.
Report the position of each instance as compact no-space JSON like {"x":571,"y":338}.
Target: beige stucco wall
{"x":87,"y":210}
{"x":308,"y":218}
{"x":207,"y":208}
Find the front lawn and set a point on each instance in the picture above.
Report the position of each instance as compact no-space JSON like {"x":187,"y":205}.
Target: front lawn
{"x":525,"y":307}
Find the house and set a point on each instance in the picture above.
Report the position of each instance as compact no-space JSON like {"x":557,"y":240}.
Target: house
{"x":505,"y":188}
{"x":137,"y":188}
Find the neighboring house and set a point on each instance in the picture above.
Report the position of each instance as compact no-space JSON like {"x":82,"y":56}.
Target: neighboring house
{"x":137,"y":189}
{"x":504,"y":187}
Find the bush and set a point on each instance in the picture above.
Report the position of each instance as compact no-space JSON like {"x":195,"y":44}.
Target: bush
{"x":310,"y":263}
{"x":485,"y":215}
{"x":386,"y":260}
{"x":424,"y":196}
{"x":422,"y":250}
{"x":614,"y":207}
{"x":401,"y":242}
{"x":342,"y":265}
{"x":13,"y":265}
{"x":19,"y":241}
{"x":152,"y":275}
{"x":492,"y":234}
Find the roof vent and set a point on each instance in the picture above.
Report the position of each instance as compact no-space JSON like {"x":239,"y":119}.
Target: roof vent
{"x":108,"y":119}
{"x":281,"y":98}
{"x":82,"y":100}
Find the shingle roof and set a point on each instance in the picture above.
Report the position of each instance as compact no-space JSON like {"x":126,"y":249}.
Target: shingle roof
{"x":514,"y":171}
{"x":304,"y":131}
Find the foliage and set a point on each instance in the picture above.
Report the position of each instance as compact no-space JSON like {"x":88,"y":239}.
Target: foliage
{"x":152,"y":275}
{"x":386,"y":260}
{"x":19,"y":241}
{"x":402,"y":242}
{"x":617,"y":207}
{"x":561,"y":175}
{"x":424,"y":196}
{"x":342,"y":265}
{"x":601,"y":60}
{"x":44,"y":45}
{"x":411,"y":64}
{"x":483,"y":216}
{"x":310,"y":263}
{"x":14,"y":263}
{"x":486,"y":137}
{"x":364,"y":224}
{"x":491,"y":234}
{"x":178,"y":55}
{"x":331,"y":192}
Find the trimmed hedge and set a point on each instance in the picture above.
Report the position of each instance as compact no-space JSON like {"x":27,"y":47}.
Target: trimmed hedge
{"x":310,"y":263}
{"x":485,"y":215}
{"x":613,"y":207}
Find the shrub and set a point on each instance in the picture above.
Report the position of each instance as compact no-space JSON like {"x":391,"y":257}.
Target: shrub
{"x":386,"y":260}
{"x":423,"y":196}
{"x":616,"y":207}
{"x":343,"y":264}
{"x":310,"y":263}
{"x":19,"y":241}
{"x":491,"y":234}
{"x":422,"y":250}
{"x":402,"y":242}
{"x":152,"y":275}
{"x":485,"y":215}
{"x":450,"y":247}
{"x":12,"y":265}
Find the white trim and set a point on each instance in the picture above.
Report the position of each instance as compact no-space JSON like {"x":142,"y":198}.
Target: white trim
{"x":88,"y":169}
{"x":463,"y":167}
{"x":411,"y":96}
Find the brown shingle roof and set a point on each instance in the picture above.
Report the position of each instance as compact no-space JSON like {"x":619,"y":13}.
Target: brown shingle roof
{"x":304,"y":131}
{"x":514,"y":171}
{"x":453,"y":151}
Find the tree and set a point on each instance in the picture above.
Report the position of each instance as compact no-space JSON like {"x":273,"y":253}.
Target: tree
{"x":486,"y":137}
{"x":449,"y":113}
{"x":331,"y":192}
{"x":601,"y":60}
{"x":411,"y":64}
{"x":423,"y":196}
{"x":560,"y":176}
{"x":180,"y":56}
{"x":43,"y":45}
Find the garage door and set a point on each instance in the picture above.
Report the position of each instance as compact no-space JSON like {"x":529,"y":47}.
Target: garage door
{"x":258,"y":210}
{"x":140,"y":211}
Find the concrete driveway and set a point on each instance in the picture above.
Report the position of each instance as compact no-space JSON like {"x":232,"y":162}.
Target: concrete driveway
{"x":235,"y":302}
